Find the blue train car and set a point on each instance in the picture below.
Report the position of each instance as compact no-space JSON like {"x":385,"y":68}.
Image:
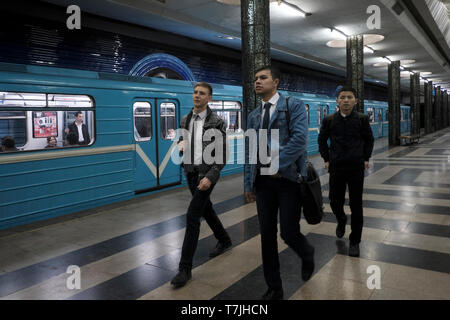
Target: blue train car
{"x":131,"y":122}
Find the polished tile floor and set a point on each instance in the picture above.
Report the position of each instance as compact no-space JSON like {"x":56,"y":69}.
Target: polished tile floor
{"x":131,"y":250}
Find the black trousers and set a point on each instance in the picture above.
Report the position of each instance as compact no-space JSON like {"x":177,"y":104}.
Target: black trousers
{"x":273,"y":194}
{"x":200,"y":206}
{"x":354,"y":179}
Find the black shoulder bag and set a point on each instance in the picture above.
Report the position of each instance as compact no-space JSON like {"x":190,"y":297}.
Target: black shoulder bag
{"x":310,"y":189}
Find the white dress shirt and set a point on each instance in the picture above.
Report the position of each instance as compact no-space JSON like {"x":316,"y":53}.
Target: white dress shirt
{"x":273,"y":101}
{"x":80,"y":132}
{"x":198,"y":135}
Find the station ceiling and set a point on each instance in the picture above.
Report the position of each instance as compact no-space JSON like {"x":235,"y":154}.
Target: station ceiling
{"x":409,"y":29}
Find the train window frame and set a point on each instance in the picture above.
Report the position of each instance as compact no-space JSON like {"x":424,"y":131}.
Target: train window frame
{"x":370,"y":111}
{"x":307,"y":112}
{"x":325,"y":111}
{"x":380,"y":115}
{"x":136,"y":137}
{"x":32,"y":102}
{"x":221,"y":107}
{"x":166,"y":135}
{"x":319,"y":116}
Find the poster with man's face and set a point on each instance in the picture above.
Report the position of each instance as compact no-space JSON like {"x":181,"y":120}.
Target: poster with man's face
{"x":45,"y":124}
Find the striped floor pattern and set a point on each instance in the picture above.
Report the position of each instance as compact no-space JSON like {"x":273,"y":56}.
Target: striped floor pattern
{"x":131,"y":251}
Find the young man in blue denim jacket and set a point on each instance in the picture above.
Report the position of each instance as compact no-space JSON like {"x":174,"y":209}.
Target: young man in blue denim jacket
{"x":278,"y":190}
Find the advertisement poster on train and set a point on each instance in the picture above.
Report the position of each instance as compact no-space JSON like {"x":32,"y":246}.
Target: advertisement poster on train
{"x":45,"y":124}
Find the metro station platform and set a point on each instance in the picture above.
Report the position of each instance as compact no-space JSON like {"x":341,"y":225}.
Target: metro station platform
{"x":131,"y":250}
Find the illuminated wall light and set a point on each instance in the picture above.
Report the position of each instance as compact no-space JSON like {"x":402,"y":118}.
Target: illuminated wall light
{"x":402,"y":68}
{"x":368,"y":49}
{"x":290,"y":8}
{"x":338,"y":33}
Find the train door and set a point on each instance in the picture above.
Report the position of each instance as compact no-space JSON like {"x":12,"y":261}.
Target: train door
{"x":155,"y":123}
{"x":145,"y":173}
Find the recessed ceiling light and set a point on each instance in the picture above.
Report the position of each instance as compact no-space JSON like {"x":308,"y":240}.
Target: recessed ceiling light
{"x":425,"y":73}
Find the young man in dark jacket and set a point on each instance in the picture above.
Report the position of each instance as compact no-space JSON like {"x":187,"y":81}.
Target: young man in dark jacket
{"x":201,"y":175}
{"x":79,"y":129}
{"x":346,"y":159}
{"x":277,"y":194}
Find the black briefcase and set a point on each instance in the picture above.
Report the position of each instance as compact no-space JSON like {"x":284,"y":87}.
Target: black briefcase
{"x":311,"y":196}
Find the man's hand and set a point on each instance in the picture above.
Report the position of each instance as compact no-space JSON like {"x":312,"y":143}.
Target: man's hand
{"x":327,"y":165}
{"x":204,"y":184}
{"x":366,"y":165}
{"x":250,"y":197}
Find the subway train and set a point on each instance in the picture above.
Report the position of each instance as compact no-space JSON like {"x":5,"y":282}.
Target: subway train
{"x":132,"y":123}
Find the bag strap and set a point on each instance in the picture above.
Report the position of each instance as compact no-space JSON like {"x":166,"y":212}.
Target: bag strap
{"x":288,"y":116}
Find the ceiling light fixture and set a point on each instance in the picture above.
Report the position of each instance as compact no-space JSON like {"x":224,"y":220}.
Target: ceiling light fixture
{"x":338,"y":33}
{"x":387,"y":59}
{"x":402,"y":68}
{"x":368,"y":49}
{"x":289,"y":6}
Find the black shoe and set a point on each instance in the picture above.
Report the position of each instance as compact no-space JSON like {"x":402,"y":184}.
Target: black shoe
{"x":308,"y":266}
{"x":220,"y":248}
{"x":340,"y":229}
{"x":272,"y":294}
{"x":181,"y":278}
{"x":353,"y":250}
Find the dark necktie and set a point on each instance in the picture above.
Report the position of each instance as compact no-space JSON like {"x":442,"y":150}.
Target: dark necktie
{"x":266,"y":118}
{"x":265,"y":124}
{"x":195,"y":117}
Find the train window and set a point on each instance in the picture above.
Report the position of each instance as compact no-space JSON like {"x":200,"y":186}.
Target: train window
{"x":387,"y":114}
{"x":37,"y":121}
{"x":230,"y":112}
{"x":307,"y":112}
{"x":380,"y":115}
{"x":216,"y":105}
{"x":370,"y":113}
{"x":69,"y":101}
{"x":142,"y":118}
{"x":168,"y":120}
{"x":22,"y":99}
{"x":14,"y":124}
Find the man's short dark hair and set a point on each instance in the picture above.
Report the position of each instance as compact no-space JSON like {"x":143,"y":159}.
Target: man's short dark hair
{"x":204,"y":85}
{"x":347,"y":88}
{"x":8,"y":142}
{"x":274,"y":71}
{"x":78,"y":112}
